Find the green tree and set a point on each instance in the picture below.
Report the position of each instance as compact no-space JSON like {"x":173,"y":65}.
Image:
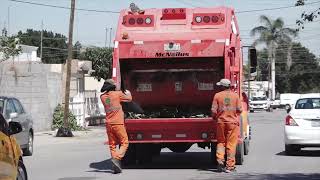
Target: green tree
{"x":54,"y":44}
{"x":307,"y":16}
{"x":9,"y":47}
{"x":101,"y":61}
{"x":76,"y":50}
{"x":271,"y":33}
{"x":303,"y":76}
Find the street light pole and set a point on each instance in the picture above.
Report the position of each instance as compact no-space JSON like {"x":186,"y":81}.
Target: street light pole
{"x":65,"y":131}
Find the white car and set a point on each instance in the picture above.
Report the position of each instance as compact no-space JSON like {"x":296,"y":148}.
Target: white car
{"x":302,"y":128}
{"x":259,"y":103}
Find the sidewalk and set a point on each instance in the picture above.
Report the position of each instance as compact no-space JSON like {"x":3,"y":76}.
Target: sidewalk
{"x":90,"y":131}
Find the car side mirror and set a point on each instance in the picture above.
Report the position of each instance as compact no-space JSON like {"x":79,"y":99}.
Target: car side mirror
{"x":14,"y":128}
{"x":13,"y":115}
{"x":288,"y":109}
{"x":253,"y":60}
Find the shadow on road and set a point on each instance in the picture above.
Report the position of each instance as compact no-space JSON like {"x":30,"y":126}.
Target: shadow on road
{"x":245,"y":176}
{"x":170,"y":160}
{"x":307,"y":153}
{"x":104,"y":166}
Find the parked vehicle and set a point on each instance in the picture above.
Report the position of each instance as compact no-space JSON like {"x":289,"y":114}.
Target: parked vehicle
{"x":11,"y":162}
{"x":288,"y":99}
{"x":170,"y":59}
{"x":260,"y":103}
{"x":302,"y":125}
{"x":12,"y":110}
{"x":275,"y":104}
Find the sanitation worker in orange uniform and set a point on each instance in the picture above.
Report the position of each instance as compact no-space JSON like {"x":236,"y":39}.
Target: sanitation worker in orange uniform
{"x":117,"y":135}
{"x":226,"y":108}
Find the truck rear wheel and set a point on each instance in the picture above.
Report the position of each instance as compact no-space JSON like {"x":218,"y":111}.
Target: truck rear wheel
{"x":143,"y":153}
{"x":131,"y":155}
{"x":213,"y":147}
{"x":240,"y":154}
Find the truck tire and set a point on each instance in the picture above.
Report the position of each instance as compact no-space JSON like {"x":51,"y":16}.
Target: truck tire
{"x":143,"y":153}
{"x":292,"y":150}
{"x":246,"y":146}
{"x":240,"y":154}
{"x":213,"y":148}
{"x":130,"y":156}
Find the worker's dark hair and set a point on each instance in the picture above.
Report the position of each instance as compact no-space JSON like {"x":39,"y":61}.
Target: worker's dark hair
{"x":107,"y":87}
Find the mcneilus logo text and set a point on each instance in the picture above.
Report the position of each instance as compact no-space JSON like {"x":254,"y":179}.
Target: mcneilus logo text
{"x":172,"y":54}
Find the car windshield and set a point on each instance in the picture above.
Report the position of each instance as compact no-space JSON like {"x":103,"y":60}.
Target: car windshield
{"x":1,"y":105}
{"x":259,"y":98}
{"x":308,"y":103}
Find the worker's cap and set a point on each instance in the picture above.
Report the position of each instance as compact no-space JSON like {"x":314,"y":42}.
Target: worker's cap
{"x":224,"y":82}
{"x":108,"y":85}
{"x":110,"y":81}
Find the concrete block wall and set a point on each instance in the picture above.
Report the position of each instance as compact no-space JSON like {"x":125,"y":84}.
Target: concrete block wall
{"x":38,"y":89}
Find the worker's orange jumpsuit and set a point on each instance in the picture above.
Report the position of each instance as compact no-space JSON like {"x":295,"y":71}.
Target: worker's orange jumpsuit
{"x":226,"y":108}
{"x":116,"y":131}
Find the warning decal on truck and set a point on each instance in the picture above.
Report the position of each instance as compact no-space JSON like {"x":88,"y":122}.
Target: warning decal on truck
{"x":144,"y":87}
{"x":205,"y":86}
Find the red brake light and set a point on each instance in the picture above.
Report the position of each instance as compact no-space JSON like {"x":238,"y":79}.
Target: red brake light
{"x":132,"y":21}
{"x":290,"y":121}
{"x":173,"y":13}
{"x":140,"y":20}
{"x":208,"y":18}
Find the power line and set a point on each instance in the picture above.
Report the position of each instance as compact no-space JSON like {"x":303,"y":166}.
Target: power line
{"x":277,"y":8}
{"x":63,"y":7}
{"x":186,"y":3}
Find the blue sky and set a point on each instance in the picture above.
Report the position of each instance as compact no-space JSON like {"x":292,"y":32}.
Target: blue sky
{"x":90,"y":26}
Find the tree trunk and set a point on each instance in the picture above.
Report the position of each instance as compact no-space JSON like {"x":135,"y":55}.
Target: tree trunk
{"x":289,"y":57}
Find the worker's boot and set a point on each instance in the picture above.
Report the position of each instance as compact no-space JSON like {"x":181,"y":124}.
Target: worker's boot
{"x":230,"y":170}
{"x":116,"y":166}
{"x":221,"y":167}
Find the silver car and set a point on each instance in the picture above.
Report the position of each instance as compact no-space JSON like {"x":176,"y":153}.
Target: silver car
{"x":12,"y":110}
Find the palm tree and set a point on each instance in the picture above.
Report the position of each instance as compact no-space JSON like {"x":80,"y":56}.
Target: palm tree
{"x":271,"y":33}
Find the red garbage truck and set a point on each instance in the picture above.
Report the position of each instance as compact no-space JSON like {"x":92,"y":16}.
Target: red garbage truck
{"x":170,"y":59}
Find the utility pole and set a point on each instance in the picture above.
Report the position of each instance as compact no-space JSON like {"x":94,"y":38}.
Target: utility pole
{"x":105,"y":42}
{"x":65,"y":131}
{"x":8,"y":30}
{"x":110,"y":37}
{"x":41,"y":40}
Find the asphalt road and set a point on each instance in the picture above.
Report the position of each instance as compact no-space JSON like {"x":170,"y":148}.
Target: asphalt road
{"x":85,"y":157}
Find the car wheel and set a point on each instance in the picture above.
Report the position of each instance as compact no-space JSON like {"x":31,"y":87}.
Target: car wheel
{"x":292,"y":149}
{"x":28,"y":151}
{"x":22,"y":172}
{"x":240,"y":154}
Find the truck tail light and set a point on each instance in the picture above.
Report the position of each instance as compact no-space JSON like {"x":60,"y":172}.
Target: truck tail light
{"x":198,"y":19}
{"x":132,"y":21}
{"x":290,"y":121}
{"x":173,"y":14}
{"x":148,"y":20}
{"x":139,"y":20}
{"x":208,"y":19}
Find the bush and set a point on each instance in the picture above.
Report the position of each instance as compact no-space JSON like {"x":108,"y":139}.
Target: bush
{"x":57,"y":121}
